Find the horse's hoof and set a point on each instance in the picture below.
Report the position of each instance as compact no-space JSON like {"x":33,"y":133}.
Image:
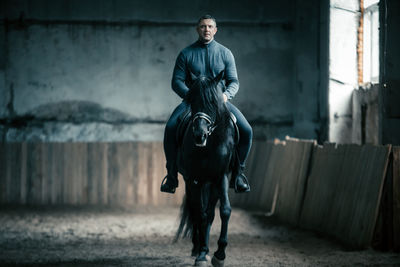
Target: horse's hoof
{"x":200,"y":263}
{"x":216,"y":262}
{"x":196,"y":254}
{"x":204,"y":261}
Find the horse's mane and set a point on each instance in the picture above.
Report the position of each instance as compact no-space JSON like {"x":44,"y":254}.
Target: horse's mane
{"x":209,"y":94}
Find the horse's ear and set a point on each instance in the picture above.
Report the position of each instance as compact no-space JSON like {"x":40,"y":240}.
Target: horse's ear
{"x":192,"y":76}
{"x":219,"y":77}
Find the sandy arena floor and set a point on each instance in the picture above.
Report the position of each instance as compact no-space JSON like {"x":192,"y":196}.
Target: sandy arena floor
{"x":143,"y":237}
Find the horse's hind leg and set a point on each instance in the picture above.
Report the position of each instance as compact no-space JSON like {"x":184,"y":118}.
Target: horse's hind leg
{"x":225,"y":213}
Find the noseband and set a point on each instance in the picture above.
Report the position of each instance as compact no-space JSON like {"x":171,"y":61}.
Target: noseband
{"x":211,"y":124}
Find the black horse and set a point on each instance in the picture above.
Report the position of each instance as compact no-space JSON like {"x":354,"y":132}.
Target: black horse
{"x":206,"y":158}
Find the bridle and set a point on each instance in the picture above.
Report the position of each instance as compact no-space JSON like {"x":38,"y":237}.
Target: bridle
{"x":211,"y":124}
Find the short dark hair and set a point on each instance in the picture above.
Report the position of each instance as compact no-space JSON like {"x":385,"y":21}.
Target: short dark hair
{"x":207,"y":17}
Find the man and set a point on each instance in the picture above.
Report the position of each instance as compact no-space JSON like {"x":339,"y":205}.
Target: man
{"x":205,"y":57}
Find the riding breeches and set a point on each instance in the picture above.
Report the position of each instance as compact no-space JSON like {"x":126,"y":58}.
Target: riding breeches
{"x":170,"y":142}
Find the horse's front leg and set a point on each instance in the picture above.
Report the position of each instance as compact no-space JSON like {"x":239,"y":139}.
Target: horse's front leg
{"x":203,"y":225}
{"x":192,"y":195}
{"x":225,"y":214}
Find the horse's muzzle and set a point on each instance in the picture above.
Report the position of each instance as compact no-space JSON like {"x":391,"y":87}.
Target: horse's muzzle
{"x":202,"y":144}
{"x":201,"y":141}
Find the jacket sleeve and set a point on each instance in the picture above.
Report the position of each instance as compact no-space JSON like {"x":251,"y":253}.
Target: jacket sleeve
{"x":179,"y":76}
{"x":231,"y":78}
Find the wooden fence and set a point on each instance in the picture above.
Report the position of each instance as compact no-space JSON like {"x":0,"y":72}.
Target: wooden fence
{"x":333,"y":189}
{"x":339,"y":190}
{"x":124,"y":173}
{"x":344,"y":191}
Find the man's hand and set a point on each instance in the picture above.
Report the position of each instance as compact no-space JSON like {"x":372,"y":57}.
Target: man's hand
{"x":225,"y":97}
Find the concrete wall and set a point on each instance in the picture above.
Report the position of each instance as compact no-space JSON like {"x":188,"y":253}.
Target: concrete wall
{"x":101,"y":70}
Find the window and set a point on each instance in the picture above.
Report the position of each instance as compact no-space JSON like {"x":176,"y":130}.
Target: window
{"x":371,"y":42}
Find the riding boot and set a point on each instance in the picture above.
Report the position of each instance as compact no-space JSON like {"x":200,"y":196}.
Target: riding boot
{"x":240,"y":182}
{"x":170,"y":181}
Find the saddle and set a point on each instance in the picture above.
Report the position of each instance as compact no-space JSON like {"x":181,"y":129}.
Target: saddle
{"x":185,"y":120}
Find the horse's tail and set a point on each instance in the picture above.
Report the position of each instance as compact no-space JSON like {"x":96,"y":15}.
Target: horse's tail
{"x":186,"y":224}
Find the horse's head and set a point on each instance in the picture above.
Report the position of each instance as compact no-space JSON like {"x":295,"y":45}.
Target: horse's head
{"x":206,"y":100}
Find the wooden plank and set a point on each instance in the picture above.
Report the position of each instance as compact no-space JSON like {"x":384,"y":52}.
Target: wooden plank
{"x":373,"y":172}
{"x":55,"y":172}
{"x":81,"y":172}
{"x":321,"y":186}
{"x":39,"y":181}
{"x":143,"y":158}
{"x":125,"y":170}
{"x":94,"y":167}
{"x":47,"y":174}
{"x":58,"y":174}
{"x":292,"y":182}
{"x":104,"y":165}
{"x":23,"y":188}
{"x":75,"y":173}
{"x":383,"y":234}
{"x":130,"y":179}
{"x":267,"y":172}
{"x":34,"y":173}
{"x":259,"y":151}
{"x":344,"y":200}
{"x":151,"y":166}
{"x":120,"y":172}
{"x":72,"y":173}
{"x":9,"y":168}
{"x":344,"y":190}
{"x":135,"y":177}
{"x":13,"y":172}
{"x":3,"y":165}
{"x":396,"y":199}
{"x":67,"y":180}
{"x":112,"y":185}
{"x":75,"y":177}
{"x":154,"y":172}
{"x":46,"y":185}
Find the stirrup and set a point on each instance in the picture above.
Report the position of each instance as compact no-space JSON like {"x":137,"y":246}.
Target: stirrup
{"x":246,"y":181}
{"x":170,"y":189}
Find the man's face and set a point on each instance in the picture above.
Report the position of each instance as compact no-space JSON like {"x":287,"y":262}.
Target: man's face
{"x":206,"y":30}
